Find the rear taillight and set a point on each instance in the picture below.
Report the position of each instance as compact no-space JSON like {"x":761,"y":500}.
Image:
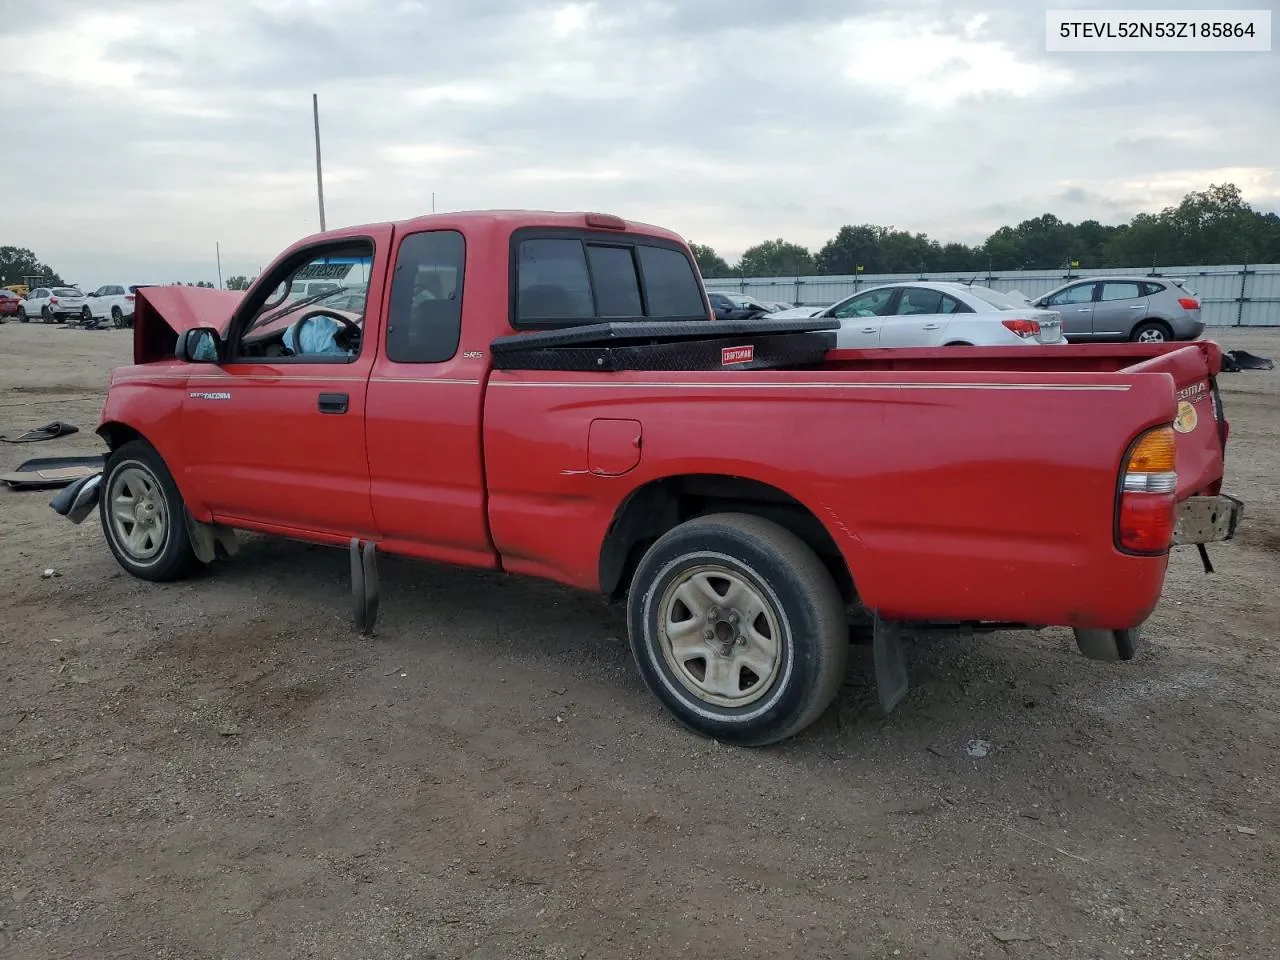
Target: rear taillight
{"x":129,"y":297}
{"x":1147,"y":512}
{"x":53,"y":299}
{"x":1023,"y":328}
{"x":1188,"y":303}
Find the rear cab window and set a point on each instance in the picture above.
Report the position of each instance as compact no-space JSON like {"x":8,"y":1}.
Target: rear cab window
{"x":567,"y":277}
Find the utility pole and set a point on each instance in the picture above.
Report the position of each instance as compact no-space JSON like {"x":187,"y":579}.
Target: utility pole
{"x":218,"y":247}
{"x":315,"y":112}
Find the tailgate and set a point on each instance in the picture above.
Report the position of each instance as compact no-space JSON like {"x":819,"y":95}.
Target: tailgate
{"x":1200,"y":424}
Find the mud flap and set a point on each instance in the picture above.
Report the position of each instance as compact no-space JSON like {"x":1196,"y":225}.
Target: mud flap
{"x":1108,"y":645}
{"x":364,"y":585}
{"x":205,"y":538}
{"x":890,"y":665}
{"x":78,"y":500}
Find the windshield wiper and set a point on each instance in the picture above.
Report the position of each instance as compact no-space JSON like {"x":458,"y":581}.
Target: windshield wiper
{"x":292,"y":308}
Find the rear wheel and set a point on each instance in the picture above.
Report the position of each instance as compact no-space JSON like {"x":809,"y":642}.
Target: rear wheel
{"x":1153,"y":331}
{"x":738,"y":628}
{"x":143,"y":516}
{"x":117,"y":318}
{"x":46,"y":314}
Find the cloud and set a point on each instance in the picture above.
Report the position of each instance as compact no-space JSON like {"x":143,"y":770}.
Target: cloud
{"x":163,"y":128}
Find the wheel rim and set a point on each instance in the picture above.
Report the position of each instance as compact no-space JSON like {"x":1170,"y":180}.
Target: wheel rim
{"x":720,"y":636}
{"x":1151,"y":336}
{"x":137,"y":512}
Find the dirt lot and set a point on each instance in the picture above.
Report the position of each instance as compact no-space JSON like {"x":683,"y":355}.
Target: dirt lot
{"x":221,"y":769}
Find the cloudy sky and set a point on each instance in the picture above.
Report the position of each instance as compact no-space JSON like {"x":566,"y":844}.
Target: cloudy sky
{"x":141,"y":132}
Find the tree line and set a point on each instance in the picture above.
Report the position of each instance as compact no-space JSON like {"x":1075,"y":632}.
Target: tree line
{"x":1212,"y":226}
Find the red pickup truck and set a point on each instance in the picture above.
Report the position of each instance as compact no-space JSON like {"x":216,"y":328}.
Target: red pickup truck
{"x":547,"y":394}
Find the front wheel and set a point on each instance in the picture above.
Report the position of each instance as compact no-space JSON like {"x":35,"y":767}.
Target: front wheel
{"x":143,"y":516}
{"x":86,"y":315}
{"x":738,"y":628}
{"x":22,"y":315}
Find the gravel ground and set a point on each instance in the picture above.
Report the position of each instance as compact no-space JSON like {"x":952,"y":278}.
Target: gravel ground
{"x":220,"y":768}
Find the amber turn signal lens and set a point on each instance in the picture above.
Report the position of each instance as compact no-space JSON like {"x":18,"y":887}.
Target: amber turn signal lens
{"x":1156,"y":452}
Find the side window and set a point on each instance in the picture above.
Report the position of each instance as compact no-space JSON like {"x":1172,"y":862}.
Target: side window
{"x":671,"y":286}
{"x":1126,"y":290}
{"x":1082,"y":293}
{"x":553,"y":281}
{"x":613,"y":274}
{"x":952,"y":305}
{"x":916,"y":301}
{"x":873,"y":303}
{"x":424,"y":322}
{"x":1151,"y":289}
{"x":300,"y":319}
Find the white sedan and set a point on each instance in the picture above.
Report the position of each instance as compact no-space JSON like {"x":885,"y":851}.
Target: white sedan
{"x":935,"y":314}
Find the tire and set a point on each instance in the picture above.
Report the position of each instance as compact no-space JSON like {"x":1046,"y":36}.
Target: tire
{"x":46,"y":315}
{"x":136,"y":472}
{"x":117,"y":318}
{"x":1151,"y":331}
{"x":22,"y":315}
{"x":86,"y":315}
{"x":743,"y":560}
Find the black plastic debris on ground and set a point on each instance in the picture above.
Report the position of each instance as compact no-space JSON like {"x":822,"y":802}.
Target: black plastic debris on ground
{"x":1233,"y":361}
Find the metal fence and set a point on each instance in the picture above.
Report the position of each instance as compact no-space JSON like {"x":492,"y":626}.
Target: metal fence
{"x":1230,"y":296}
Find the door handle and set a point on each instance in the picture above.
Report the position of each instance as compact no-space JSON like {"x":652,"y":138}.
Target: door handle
{"x":333,"y":402}
{"x":1137,"y":306}
{"x":931,"y":326}
{"x":868,"y":329}
{"x":1084,"y":310}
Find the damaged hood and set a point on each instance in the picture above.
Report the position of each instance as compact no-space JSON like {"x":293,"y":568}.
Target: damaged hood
{"x":161,"y":313}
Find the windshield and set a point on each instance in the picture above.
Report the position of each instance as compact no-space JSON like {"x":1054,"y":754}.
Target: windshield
{"x":327,"y":297}
{"x":997,"y":299}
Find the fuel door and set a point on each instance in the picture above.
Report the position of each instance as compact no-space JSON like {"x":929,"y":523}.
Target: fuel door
{"x":613,"y":447}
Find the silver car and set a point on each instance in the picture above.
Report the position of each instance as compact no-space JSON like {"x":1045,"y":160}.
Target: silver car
{"x":1143,"y":309}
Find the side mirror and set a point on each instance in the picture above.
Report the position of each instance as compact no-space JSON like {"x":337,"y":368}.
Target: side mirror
{"x":199,"y":345}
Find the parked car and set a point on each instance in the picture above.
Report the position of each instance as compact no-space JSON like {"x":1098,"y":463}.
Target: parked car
{"x":1145,"y":309}
{"x":112,"y":301}
{"x":10,"y":303}
{"x":776,"y":306}
{"x":52,"y":304}
{"x":562,"y":406}
{"x":735,"y":306}
{"x":935,"y":314}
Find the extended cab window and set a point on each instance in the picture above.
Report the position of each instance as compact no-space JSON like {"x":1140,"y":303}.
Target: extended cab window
{"x":425,"y":319}
{"x":301,"y":320}
{"x":563,"y":280}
